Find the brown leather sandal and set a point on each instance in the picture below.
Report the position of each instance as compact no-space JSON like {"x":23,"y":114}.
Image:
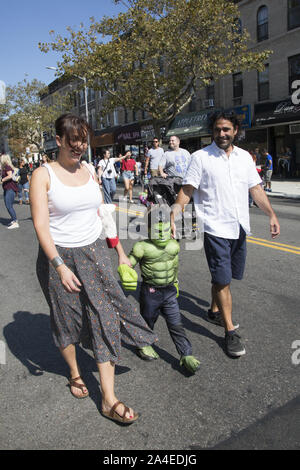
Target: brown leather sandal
{"x":74,"y":383}
{"x":114,"y":416}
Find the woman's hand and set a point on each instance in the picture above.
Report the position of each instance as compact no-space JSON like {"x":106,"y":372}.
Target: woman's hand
{"x":68,"y":279}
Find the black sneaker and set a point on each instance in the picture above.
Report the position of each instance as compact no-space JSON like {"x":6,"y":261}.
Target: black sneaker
{"x":233,"y":345}
{"x":217,"y":319}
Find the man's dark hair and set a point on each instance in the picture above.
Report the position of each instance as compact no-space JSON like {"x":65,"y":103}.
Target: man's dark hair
{"x":229,"y":116}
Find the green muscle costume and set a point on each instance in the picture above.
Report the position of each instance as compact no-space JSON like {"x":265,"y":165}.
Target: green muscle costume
{"x":158,"y":260}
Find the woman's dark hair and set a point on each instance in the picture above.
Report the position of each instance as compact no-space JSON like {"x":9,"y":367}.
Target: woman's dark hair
{"x":229,"y":116}
{"x":72,"y":127}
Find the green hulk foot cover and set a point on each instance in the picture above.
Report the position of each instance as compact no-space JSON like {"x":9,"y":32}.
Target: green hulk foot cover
{"x":148,"y":353}
{"x":190,"y":363}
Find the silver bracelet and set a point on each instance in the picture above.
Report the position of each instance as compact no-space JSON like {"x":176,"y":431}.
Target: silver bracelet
{"x":57,"y":261}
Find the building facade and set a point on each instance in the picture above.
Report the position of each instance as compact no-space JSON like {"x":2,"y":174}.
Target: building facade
{"x":267,"y":102}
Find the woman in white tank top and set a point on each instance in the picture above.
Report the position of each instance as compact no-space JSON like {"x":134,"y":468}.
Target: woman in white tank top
{"x":74,"y":268}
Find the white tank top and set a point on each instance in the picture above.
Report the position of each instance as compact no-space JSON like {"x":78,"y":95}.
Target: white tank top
{"x":73,"y":216}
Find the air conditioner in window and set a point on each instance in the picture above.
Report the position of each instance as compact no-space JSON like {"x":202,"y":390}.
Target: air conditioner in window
{"x":295,"y":128}
{"x":209,"y":103}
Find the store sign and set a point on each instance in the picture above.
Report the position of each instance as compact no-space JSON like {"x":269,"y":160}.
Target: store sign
{"x":190,"y":124}
{"x":276,"y":112}
{"x":147,"y":132}
{"x":296,"y":94}
{"x":128,"y":134}
{"x":244,"y":115}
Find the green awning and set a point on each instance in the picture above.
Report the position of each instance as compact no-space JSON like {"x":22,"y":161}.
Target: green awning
{"x":190,"y":125}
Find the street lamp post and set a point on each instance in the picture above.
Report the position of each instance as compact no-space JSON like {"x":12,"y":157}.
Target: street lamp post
{"x":86,"y":110}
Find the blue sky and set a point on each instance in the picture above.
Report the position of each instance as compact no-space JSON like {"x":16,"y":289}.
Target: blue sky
{"x":24,"y":23}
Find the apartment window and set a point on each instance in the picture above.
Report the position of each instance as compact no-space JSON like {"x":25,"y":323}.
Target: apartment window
{"x":237,"y":85}
{"x":116,"y":117}
{"x":92,"y":118}
{"x":192,"y":105}
{"x":294,"y":70}
{"x":263,"y":84}
{"x":134,"y":115}
{"x":125,"y":116}
{"x":262,"y":23}
{"x":293,"y":14}
{"x":91,"y":94}
{"x":238,"y":26}
{"x":81,"y":97}
{"x":210,"y":91}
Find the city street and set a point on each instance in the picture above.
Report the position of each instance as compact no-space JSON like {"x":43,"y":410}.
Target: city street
{"x":247,"y":403}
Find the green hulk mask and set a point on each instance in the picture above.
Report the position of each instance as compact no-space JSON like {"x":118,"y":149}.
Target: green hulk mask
{"x":160,"y":233}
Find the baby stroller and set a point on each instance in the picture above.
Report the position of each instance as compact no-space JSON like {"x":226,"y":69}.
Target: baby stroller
{"x":164,"y":191}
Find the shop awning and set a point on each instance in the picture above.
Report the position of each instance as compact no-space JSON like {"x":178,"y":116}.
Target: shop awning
{"x":127,"y":135}
{"x":267,"y":114}
{"x":190,"y":125}
{"x":104,"y":139}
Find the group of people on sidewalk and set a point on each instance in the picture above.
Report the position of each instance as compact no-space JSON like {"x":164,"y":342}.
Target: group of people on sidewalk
{"x":15,"y":183}
{"x":86,"y":303}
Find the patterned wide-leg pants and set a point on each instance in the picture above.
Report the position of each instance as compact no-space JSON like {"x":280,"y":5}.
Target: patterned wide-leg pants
{"x":100,"y":316}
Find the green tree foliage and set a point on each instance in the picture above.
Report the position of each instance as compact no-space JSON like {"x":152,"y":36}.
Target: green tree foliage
{"x":27,"y":118}
{"x":155,"y":55}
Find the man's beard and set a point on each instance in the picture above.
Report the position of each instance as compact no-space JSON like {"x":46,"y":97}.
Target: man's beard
{"x":224,"y":144}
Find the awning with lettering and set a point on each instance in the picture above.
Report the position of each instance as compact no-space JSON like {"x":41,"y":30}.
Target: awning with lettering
{"x":128,"y":134}
{"x":190,"y":125}
{"x":276,"y":112}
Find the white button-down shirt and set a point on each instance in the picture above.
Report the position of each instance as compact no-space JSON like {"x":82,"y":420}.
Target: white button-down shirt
{"x":221,"y":191}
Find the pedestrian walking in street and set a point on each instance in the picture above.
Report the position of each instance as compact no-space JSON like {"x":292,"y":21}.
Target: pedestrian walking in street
{"x":158,"y":259}
{"x":175,"y":161}
{"x":219,"y":177}
{"x":153,"y":158}
{"x":129,"y":169}
{"x":107,"y":174}
{"x":86,"y":302}
{"x":268,"y":170}
{"x":10,"y":189}
{"x":23,"y":184}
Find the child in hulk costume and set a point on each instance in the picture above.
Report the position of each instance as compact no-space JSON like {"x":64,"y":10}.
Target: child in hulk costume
{"x":158,"y":260}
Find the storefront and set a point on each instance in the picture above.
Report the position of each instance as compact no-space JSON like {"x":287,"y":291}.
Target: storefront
{"x":102,"y":140}
{"x":192,"y":130}
{"x":280,"y":120}
{"x":128,"y":138}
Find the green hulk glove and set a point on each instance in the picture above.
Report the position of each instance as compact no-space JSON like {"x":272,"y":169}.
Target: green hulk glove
{"x":128,"y":276}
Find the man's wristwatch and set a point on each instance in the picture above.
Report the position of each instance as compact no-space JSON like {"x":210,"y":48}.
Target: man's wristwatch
{"x":57,"y":261}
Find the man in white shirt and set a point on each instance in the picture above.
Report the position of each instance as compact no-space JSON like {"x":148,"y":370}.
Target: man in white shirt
{"x":153,"y":157}
{"x":175,"y":161}
{"x":107,"y":175}
{"x":219,"y":178}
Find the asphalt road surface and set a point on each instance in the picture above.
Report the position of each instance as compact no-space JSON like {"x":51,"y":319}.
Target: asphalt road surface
{"x":246,"y":403}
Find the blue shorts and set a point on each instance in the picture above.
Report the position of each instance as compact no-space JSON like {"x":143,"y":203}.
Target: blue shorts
{"x":226,"y":258}
{"x":128,"y":175}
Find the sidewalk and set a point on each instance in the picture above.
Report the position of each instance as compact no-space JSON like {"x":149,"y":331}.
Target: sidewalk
{"x":285,"y":189}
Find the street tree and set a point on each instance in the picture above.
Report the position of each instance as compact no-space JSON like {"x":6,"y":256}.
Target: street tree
{"x":27,"y":118}
{"x":156,"y":54}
